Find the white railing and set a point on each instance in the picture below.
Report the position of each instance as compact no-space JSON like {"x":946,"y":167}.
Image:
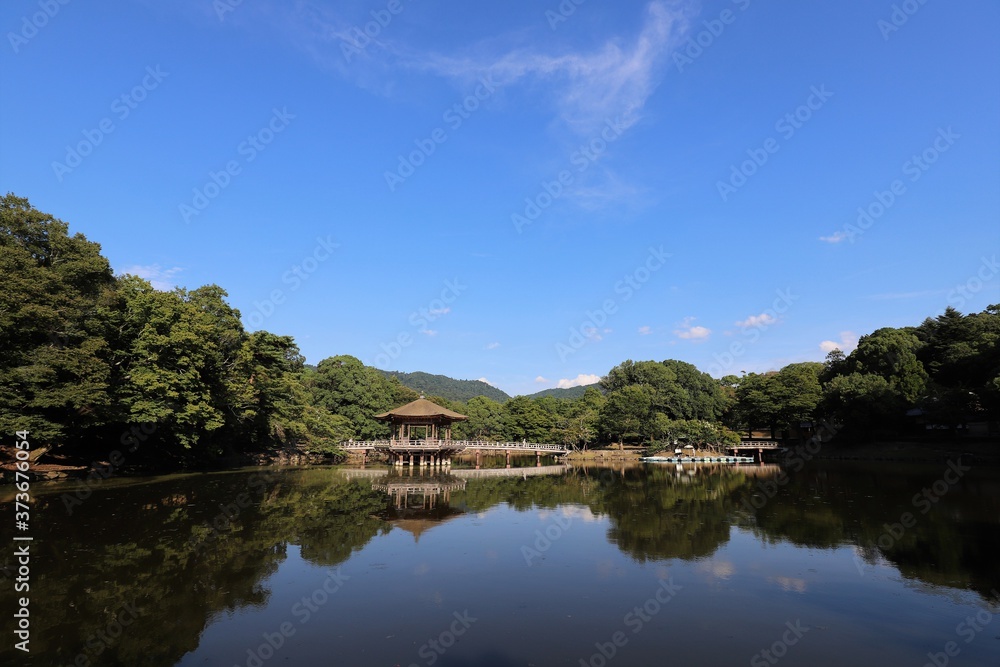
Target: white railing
{"x":453,"y":445}
{"x":759,"y":444}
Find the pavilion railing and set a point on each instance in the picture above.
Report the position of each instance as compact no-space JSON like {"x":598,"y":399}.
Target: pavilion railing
{"x":453,"y":445}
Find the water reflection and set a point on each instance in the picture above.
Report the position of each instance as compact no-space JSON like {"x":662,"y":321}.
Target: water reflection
{"x":187,"y":551}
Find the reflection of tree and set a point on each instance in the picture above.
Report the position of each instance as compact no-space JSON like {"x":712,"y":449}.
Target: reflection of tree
{"x":953,"y":544}
{"x":153,"y":544}
{"x":149,"y":545}
{"x":659,"y":514}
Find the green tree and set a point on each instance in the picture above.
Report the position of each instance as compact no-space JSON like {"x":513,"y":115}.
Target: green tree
{"x":54,"y":370}
{"x":892,"y":354}
{"x":864,"y":403}
{"x":345,"y":386}
{"x":524,"y":419}
{"x":485,"y":419}
{"x":799,"y":393}
{"x":627,"y":412}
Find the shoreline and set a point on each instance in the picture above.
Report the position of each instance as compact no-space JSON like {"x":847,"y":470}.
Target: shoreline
{"x":981,"y":452}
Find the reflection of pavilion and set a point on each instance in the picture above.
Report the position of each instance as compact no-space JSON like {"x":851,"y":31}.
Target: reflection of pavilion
{"x":421,"y":492}
{"x":421,"y":501}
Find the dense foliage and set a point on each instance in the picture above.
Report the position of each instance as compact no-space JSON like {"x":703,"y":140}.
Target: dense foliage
{"x":90,"y":362}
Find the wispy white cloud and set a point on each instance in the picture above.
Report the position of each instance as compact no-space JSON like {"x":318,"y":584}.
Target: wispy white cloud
{"x":586,"y":88}
{"x":160,"y":278}
{"x":580,"y":380}
{"x":492,"y":346}
{"x":486,"y":381}
{"x":836,"y":237}
{"x":540,"y":380}
{"x":429,"y":332}
{"x":848,"y":341}
{"x":902,"y":296}
{"x":645,"y":330}
{"x":757,"y":321}
{"x":688,"y":331}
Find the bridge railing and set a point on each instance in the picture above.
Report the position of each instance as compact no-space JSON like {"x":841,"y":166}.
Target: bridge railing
{"x":455,"y":445}
{"x":758,"y":444}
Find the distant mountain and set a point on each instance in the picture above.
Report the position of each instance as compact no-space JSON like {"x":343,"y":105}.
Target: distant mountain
{"x":446,"y":387}
{"x":572,"y":392}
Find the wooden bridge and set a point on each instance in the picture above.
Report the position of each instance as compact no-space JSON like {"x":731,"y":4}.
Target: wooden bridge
{"x":754,"y":445}
{"x":438,"y":452}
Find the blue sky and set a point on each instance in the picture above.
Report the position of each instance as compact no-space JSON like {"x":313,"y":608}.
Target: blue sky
{"x":525,"y":192}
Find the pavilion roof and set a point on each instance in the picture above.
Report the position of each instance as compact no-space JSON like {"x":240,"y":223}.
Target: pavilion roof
{"x":422,"y":408}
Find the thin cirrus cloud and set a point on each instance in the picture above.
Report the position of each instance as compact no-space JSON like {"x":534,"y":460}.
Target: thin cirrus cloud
{"x":836,"y":237}
{"x":584,"y":88}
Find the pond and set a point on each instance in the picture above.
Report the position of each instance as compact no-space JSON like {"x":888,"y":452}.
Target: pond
{"x":837,"y":563}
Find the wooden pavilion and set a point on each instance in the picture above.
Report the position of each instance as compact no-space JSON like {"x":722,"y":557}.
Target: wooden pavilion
{"x":421,"y":430}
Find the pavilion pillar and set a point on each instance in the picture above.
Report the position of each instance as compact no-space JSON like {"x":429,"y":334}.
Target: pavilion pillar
{"x":411,"y":460}
{"x":760,"y":455}
{"x":508,"y":458}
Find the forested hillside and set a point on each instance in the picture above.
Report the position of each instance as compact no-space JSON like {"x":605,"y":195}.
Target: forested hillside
{"x":446,"y":387}
{"x":556,"y":392}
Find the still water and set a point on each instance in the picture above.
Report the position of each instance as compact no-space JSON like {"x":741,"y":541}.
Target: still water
{"x":835,"y":564}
